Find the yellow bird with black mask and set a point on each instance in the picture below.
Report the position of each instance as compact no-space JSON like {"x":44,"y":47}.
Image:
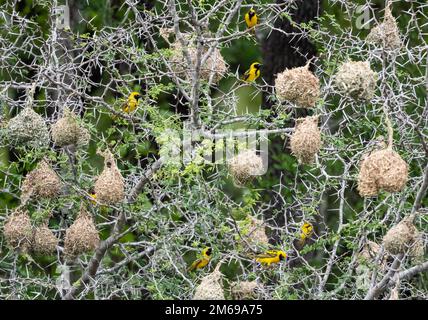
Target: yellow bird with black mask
{"x":251,"y":18}
{"x":132,"y":103}
{"x":203,"y":260}
{"x":306,"y":231}
{"x":253,"y":73}
{"x":271,"y":256}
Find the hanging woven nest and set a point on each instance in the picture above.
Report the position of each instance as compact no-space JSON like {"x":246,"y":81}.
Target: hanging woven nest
{"x":18,"y":230}
{"x":401,"y":237}
{"x":27,"y":129}
{"x":210,"y":287}
{"x":214,"y":66}
{"x":299,"y":86}
{"x":382,"y":170}
{"x":253,"y":230}
{"x":369,"y":261}
{"x":82,"y":236}
{"x":356,"y":79}
{"x":417,"y":249}
{"x":246,"y":290}
{"x":110,"y":186}
{"x":369,"y":253}
{"x":305,"y":141}
{"x":67,"y":131}
{"x":45,"y":242}
{"x":42,"y":182}
{"x":245,"y":166}
{"x":386,"y":34}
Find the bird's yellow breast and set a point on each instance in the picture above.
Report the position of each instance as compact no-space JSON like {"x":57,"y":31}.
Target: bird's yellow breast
{"x":251,"y":18}
{"x":252,"y":74}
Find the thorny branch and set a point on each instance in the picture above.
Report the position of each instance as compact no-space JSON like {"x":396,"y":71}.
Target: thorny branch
{"x":171,"y":212}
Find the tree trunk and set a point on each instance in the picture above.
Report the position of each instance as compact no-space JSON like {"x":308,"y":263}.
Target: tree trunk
{"x":282,"y":50}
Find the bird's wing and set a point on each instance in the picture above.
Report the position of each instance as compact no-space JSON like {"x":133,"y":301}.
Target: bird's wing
{"x":246,"y":75}
{"x":266,"y":255}
{"x":125,"y":106}
{"x":195,"y":264}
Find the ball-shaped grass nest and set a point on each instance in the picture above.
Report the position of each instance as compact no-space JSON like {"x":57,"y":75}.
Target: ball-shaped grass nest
{"x":109,"y":186}
{"x":356,"y":79}
{"x":210,"y":287}
{"x":41,"y":183}
{"x":246,"y":290}
{"x":403,"y":237}
{"x":81,"y":237}
{"x":214,"y":67}
{"x":45,"y":242}
{"x":299,"y":86}
{"x":382,"y":170}
{"x":68,"y":131}
{"x":305,"y":141}
{"x":386,"y":34}
{"x":18,"y":230}
{"x":28,"y":128}
{"x":245,"y":166}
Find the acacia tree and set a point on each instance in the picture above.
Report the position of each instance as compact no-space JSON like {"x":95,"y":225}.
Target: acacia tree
{"x":100,"y":203}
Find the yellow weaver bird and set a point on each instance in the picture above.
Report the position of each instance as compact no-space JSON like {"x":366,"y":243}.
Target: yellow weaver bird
{"x":251,"y":18}
{"x":271,"y":256}
{"x":253,"y":73}
{"x":132,"y":103}
{"x":203,"y":260}
{"x":94,"y":197}
{"x":305,"y":232}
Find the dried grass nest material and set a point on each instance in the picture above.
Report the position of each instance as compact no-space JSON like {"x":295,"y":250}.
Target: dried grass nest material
{"x":214,"y":65}
{"x":82,"y":236}
{"x":299,"y":86}
{"x":404,"y":237}
{"x":110,"y":186}
{"x":27,"y":129}
{"x":246,"y":290}
{"x":245,"y":166}
{"x":42,"y":182}
{"x":382,"y":170}
{"x":210,"y":287}
{"x":356,"y":79}
{"x":369,"y":254}
{"x":254,"y":231}
{"x":18,"y":230}
{"x":367,"y":263}
{"x":67,"y":130}
{"x":305,"y":141}
{"x":45,"y":241}
{"x":386,"y":34}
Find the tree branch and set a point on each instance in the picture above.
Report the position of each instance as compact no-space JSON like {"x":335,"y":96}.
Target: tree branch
{"x":96,"y":259}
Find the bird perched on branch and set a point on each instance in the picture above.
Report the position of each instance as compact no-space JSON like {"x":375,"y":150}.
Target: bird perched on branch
{"x":203,"y":260}
{"x":253,"y":73}
{"x":93,"y":198}
{"x":251,"y":18}
{"x":132,"y":103}
{"x":271,"y":256}
{"x":305,"y":232}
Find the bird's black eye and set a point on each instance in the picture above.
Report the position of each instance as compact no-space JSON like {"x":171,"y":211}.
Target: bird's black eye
{"x":281,"y":257}
{"x":257,"y":65}
{"x":251,"y":14}
{"x":137,"y":96}
{"x":209,"y":251}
